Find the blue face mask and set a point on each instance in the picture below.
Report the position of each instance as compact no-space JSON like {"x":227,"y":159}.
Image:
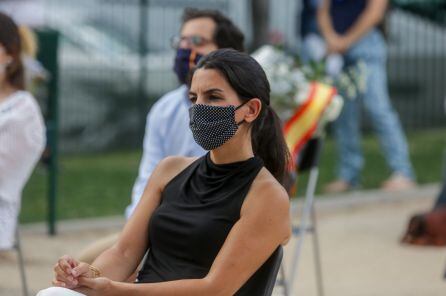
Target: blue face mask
{"x":185,"y":60}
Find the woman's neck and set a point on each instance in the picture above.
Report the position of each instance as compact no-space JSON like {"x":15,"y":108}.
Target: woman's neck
{"x":234,"y":150}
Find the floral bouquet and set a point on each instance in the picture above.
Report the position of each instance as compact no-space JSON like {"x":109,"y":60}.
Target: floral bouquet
{"x":291,"y":83}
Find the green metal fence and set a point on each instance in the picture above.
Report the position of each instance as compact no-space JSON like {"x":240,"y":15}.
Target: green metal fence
{"x":416,"y":32}
{"x":47,"y":55}
{"x":115,"y":60}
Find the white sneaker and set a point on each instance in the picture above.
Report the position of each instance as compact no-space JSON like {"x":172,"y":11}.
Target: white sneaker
{"x":337,"y":186}
{"x":398,"y":182}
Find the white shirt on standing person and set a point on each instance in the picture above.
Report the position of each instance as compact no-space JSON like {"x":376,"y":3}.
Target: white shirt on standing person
{"x":22,"y":140}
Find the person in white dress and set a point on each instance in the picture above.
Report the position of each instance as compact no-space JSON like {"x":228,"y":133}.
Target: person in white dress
{"x":22,"y":131}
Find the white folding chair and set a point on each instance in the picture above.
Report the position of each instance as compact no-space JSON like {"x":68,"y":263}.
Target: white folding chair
{"x":17,"y":247}
{"x":308,"y":161}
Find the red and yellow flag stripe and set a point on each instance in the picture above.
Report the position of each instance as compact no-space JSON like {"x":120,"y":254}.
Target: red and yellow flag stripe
{"x":301,"y":126}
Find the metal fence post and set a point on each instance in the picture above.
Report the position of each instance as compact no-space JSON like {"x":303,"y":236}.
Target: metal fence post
{"x":48,"y":51}
{"x":142,"y":94}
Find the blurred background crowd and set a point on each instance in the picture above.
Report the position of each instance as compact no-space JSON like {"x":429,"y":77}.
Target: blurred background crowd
{"x":114,"y":59}
{"x":97,"y":66}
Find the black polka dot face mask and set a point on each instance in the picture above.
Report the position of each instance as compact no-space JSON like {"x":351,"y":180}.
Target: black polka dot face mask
{"x":212,"y":126}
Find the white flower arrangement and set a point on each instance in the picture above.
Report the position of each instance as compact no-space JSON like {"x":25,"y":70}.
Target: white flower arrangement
{"x":287,"y":82}
{"x":290,"y":83}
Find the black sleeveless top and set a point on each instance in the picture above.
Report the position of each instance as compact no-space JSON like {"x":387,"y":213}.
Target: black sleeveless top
{"x":198,"y":209}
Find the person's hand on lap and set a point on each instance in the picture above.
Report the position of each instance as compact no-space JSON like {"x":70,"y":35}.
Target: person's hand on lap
{"x":68,"y":272}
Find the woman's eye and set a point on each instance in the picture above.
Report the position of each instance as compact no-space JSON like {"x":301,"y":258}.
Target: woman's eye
{"x":214,"y":98}
{"x":193,"y":99}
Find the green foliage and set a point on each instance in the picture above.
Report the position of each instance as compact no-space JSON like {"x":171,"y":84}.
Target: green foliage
{"x":89,"y":185}
{"x":314,"y":71}
{"x":427,"y":150}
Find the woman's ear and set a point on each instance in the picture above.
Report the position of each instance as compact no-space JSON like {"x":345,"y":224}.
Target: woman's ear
{"x":254,"y":107}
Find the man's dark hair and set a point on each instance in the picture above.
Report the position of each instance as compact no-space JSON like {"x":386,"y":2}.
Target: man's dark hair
{"x":226,"y":34}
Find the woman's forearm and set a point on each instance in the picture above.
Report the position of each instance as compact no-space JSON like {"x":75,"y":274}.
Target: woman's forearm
{"x":370,"y":18}
{"x":115,"y":265}
{"x":120,"y":261}
{"x":324,"y":20}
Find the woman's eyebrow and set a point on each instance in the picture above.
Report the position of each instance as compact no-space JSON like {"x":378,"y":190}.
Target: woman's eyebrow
{"x":213,"y":90}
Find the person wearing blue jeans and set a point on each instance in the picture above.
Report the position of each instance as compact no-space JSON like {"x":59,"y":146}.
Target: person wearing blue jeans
{"x":349,"y":27}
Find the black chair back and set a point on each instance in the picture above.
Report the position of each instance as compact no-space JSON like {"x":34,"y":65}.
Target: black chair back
{"x":309,"y":155}
{"x":263,"y":281}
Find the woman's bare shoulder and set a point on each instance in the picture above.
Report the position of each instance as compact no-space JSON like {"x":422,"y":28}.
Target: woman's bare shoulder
{"x":268,"y":202}
{"x":267,"y":192}
{"x":171,"y":166}
{"x":265,"y":181}
{"x":176,"y":163}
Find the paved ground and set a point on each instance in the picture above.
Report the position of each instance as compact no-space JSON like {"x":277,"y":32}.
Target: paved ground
{"x":359,"y":235}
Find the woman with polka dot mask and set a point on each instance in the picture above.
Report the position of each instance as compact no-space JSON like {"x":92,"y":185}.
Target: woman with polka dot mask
{"x":241,"y":101}
{"x":210,"y":225}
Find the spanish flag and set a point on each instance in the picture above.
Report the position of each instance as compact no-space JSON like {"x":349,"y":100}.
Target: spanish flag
{"x":301,"y":126}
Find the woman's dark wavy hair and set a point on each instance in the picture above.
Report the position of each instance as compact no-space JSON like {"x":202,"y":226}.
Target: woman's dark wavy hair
{"x":249,"y":81}
{"x":10,"y":40}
